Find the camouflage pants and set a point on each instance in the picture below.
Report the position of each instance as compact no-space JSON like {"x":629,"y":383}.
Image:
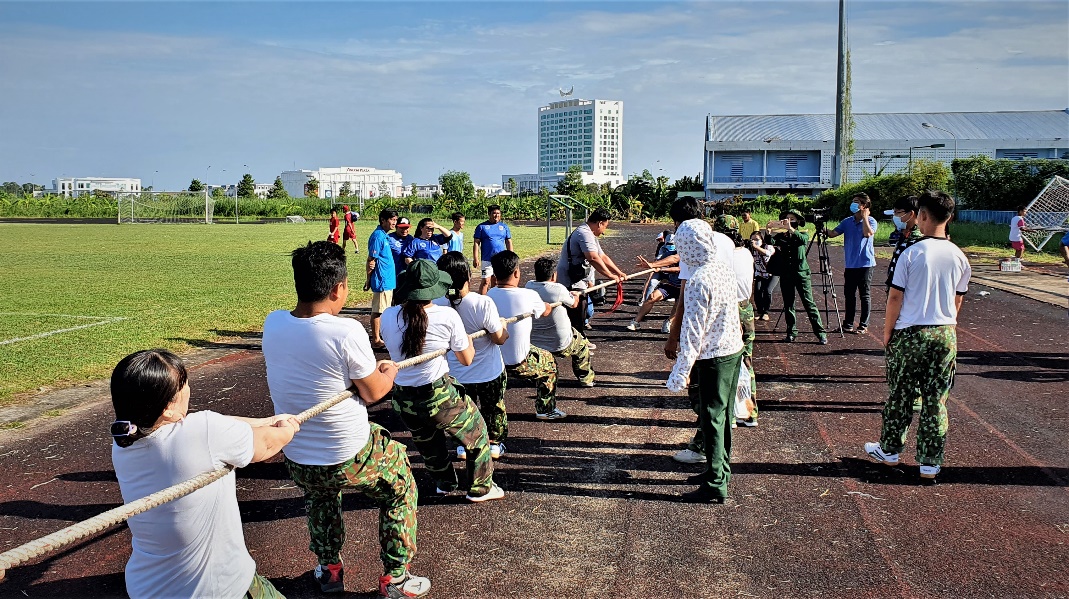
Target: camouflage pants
{"x":261,"y":588}
{"x":540,"y":369}
{"x":921,"y":362}
{"x":380,"y":471}
{"x":490,"y":397}
{"x":746,"y":316}
{"x":438,"y":409}
{"x":579,"y":351}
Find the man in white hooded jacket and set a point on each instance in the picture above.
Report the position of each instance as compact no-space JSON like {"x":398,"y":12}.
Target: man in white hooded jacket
{"x":710,"y":351}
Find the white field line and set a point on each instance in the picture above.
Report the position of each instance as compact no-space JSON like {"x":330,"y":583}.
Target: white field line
{"x":101,"y":320}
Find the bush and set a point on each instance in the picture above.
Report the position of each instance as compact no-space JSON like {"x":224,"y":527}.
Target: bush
{"x":982,"y":183}
{"x":884,"y":190}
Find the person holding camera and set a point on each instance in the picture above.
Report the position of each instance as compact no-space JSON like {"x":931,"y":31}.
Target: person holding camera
{"x":859,"y":258}
{"x":795,"y":276}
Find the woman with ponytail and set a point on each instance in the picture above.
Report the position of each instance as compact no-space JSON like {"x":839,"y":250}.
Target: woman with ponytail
{"x":425,"y":396}
{"x":484,"y":379}
{"x":192,"y":546}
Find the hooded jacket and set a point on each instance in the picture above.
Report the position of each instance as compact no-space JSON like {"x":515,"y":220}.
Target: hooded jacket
{"x":710,"y":327}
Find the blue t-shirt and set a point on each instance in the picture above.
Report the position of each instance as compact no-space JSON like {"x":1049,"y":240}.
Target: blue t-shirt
{"x":1065,"y":239}
{"x":456,"y":242}
{"x":425,"y":249}
{"x":492,"y":237}
{"x":858,"y":249}
{"x":397,"y":246}
{"x":384,"y":277}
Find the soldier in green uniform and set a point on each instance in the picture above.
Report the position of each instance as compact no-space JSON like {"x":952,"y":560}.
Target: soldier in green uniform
{"x":795,"y":277}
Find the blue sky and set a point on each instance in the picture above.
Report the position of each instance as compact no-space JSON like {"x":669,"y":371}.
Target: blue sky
{"x":163,"y":90}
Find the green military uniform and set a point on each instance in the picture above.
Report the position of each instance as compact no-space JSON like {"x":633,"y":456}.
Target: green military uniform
{"x":490,"y":397}
{"x":435,"y":410}
{"x":380,"y":471}
{"x":539,"y":369}
{"x":579,"y":353}
{"x":795,"y":278}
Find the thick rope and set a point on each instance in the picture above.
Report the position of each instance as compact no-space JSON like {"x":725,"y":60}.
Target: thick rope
{"x":86,"y":528}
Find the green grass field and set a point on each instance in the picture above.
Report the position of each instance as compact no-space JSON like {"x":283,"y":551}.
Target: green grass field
{"x":175,"y":286}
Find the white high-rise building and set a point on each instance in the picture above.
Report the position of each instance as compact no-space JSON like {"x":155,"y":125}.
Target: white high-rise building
{"x":589,"y":133}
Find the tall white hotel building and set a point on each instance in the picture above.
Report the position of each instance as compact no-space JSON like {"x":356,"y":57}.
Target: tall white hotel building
{"x":584,"y":132}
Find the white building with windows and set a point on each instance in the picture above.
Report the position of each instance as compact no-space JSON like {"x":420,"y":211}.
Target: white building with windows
{"x":365,"y":183}
{"x":427,"y":192}
{"x":589,"y":133}
{"x":76,"y":186}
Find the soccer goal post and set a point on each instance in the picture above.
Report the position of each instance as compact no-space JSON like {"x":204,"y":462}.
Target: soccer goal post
{"x":1048,"y":214}
{"x":166,"y":207}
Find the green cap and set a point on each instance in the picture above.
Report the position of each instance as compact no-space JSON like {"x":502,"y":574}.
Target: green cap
{"x":422,"y":281}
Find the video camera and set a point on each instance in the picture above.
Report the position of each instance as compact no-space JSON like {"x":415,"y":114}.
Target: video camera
{"x":818,"y":216}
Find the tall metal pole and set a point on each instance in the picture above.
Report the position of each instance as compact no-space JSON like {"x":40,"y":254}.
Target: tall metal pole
{"x":840,"y":83}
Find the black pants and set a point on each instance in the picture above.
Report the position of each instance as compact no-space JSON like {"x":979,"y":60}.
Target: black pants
{"x":577,"y":315}
{"x":857,"y":280}
{"x":762,"y":293}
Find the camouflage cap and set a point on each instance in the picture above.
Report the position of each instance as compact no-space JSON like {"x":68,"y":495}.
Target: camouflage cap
{"x":725,"y":223}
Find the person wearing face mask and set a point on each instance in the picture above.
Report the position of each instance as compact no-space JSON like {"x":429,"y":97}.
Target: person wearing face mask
{"x":859,"y":257}
{"x":904,"y":215}
{"x":795,"y":276}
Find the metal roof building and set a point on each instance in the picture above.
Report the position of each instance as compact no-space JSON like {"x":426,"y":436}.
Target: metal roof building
{"x":757,"y":154}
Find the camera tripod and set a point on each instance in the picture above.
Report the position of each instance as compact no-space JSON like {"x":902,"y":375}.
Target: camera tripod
{"x":827,"y":281}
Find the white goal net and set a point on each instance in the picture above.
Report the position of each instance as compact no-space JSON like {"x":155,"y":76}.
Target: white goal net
{"x":165,"y":207}
{"x":1048,"y":214}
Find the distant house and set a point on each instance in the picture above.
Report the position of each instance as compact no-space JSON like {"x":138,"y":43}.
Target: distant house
{"x":76,"y":186}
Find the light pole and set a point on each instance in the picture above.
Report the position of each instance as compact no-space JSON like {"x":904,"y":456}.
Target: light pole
{"x":931,"y":126}
{"x":910,"y":169}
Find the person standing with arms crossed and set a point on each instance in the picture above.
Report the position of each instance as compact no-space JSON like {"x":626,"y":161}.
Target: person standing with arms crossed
{"x":491,"y":237}
{"x":859,"y":259}
{"x":381,"y":275}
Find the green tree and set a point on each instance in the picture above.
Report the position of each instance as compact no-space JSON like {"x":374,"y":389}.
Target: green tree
{"x":311,"y":188}
{"x":277,"y":191}
{"x":512,"y":187}
{"x":412,"y":191}
{"x":572,"y":183}
{"x":345,"y":191}
{"x":456,"y":187}
{"x":246,"y":187}
{"x":218,"y":193}
{"x":196,"y":185}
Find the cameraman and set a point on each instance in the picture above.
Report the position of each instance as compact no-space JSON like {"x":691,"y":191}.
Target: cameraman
{"x":795,"y":276}
{"x":859,"y":258}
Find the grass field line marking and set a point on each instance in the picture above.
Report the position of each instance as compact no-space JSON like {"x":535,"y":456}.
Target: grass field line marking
{"x":60,"y":315}
{"x":58,"y":331}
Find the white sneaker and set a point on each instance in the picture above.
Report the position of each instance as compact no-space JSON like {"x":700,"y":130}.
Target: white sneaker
{"x":462,"y":454}
{"x":590,"y":384}
{"x":929,"y":471}
{"x":667,"y":326}
{"x":876,"y":452}
{"x":591,"y":346}
{"x":497,"y":450}
{"x":687,"y":456}
{"x":633,"y":325}
{"x":556,"y":414}
{"x":495,"y":492}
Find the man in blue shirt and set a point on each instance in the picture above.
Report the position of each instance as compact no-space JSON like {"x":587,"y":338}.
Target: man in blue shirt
{"x":456,"y":242}
{"x":491,"y":236}
{"x":399,"y":240}
{"x":426,"y":245}
{"x":381,"y":275}
{"x":860,"y":258}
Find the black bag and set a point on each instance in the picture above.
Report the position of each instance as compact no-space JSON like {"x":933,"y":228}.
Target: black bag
{"x":576,"y":271}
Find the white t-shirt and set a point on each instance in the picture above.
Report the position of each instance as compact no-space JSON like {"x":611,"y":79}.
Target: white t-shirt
{"x":445,"y":330}
{"x":1015,"y":228}
{"x":478,"y":313}
{"x":553,"y":333}
{"x":930,"y":273}
{"x":310,"y":360}
{"x":513,"y":301}
{"x":192,"y":546}
{"x":726,"y":250}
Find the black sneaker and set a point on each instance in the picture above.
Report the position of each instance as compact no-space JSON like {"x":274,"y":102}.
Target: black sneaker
{"x":702,"y":495}
{"x":848,"y":328}
{"x":331,"y":578}
{"x":861,"y":329}
{"x":822,"y":339}
{"x":789,"y":338}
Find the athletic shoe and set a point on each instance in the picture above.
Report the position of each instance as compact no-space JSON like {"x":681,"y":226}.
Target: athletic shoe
{"x":442,"y":491}
{"x":408,"y":585}
{"x":861,"y":329}
{"x":689,"y":456}
{"x":789,"y":338}
{"x":495,"y":492}
{"x":582,"y":384}
{"x":497,"y":450}
{"x":764,"y":316}
{"x":876,"y":452}
{"x":750,"y":422}
{"x":331,"y":578}
{"x":929,"y":472}
{"x":667,"y":326}
{"x":632,"y":326}
{"x":702,"y":495}
{"x":848,"y":328}
{"x":556,"y":414}
{"x":822,"y":339}
{"x":591,"y":346}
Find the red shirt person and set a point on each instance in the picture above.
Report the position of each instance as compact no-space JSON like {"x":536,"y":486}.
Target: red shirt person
{"x":335,"y":231}
{"x":350,"y":232}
